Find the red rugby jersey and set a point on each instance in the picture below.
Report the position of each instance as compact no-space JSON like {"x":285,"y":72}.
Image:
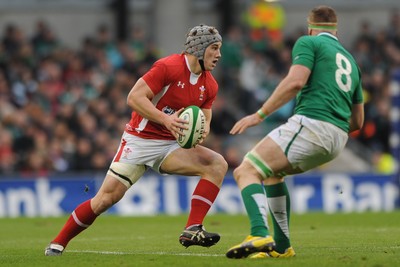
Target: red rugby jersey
{"x":174,"y":87}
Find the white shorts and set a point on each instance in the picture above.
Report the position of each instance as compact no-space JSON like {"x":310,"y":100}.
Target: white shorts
{"x":134,"y":150}
{"x":308,"y":143}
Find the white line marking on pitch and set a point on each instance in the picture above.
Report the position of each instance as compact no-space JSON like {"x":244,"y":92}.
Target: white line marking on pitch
{"x":144,"y":253}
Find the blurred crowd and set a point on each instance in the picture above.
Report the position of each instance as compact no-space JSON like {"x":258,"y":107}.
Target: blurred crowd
{"x":255,"y":61}
{"x":64,"y":110}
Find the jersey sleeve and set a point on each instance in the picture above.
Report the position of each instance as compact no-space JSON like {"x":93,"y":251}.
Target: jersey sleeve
{"x":156,"y":77}
{"x":303,"y":52}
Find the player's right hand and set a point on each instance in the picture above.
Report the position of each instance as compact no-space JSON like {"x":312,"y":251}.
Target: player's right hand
{"x":246,"y":122}
{"x":174,"y":124}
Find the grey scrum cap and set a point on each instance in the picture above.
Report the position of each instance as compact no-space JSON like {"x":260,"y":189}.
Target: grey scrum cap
{"x":199,"y":38}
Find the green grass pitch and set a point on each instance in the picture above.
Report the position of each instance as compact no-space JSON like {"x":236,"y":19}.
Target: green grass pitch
{"x":356,"y":239}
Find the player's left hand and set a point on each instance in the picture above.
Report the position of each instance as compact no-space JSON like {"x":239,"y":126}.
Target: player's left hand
{"x":205,"y":133}
{"x":246,"y":122}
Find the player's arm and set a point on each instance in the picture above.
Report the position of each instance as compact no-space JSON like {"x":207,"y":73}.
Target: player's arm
{"x":139,"y":99}
{"x":357,"y":117}
{"x":286,"y":90}
{"x":208,"y":115}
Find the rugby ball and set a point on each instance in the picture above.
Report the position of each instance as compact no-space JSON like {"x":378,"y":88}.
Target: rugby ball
{"x":190,"y":137}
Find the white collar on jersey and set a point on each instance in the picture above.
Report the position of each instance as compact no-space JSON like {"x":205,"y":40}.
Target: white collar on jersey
{"x":193,"y":76}
{"x":329,"y":34}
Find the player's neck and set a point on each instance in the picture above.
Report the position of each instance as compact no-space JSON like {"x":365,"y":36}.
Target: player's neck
{"x":193,"y":64}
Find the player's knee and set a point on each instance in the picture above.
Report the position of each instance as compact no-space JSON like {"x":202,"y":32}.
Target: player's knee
{"x":215,"y":167}
{"x":219,"y":166}
{"x":238,"y":173}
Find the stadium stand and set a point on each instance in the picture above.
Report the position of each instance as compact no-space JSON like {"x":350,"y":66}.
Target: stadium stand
{"x":63,"y":109}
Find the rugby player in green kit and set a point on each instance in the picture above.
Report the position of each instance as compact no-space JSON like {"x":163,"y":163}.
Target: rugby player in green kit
{"x":326,"y":82}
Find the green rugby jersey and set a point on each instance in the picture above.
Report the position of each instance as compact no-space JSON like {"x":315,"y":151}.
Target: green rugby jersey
{"x":334,"y":83}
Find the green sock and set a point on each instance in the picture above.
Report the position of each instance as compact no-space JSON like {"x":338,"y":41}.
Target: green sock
{"x":255,"y":203}
{"x":279,"y":205}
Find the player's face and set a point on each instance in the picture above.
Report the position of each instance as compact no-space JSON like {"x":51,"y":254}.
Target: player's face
{"x":212,"y":55}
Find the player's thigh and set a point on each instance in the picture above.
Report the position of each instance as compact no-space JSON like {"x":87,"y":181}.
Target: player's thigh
{"x":110,"y":192}
{"x":273,"y":155}
{"x":112,"y":186}
{"x":196,"y":161}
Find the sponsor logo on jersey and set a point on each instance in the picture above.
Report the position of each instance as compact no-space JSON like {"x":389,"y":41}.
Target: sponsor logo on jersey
{"x":167,"y":110}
